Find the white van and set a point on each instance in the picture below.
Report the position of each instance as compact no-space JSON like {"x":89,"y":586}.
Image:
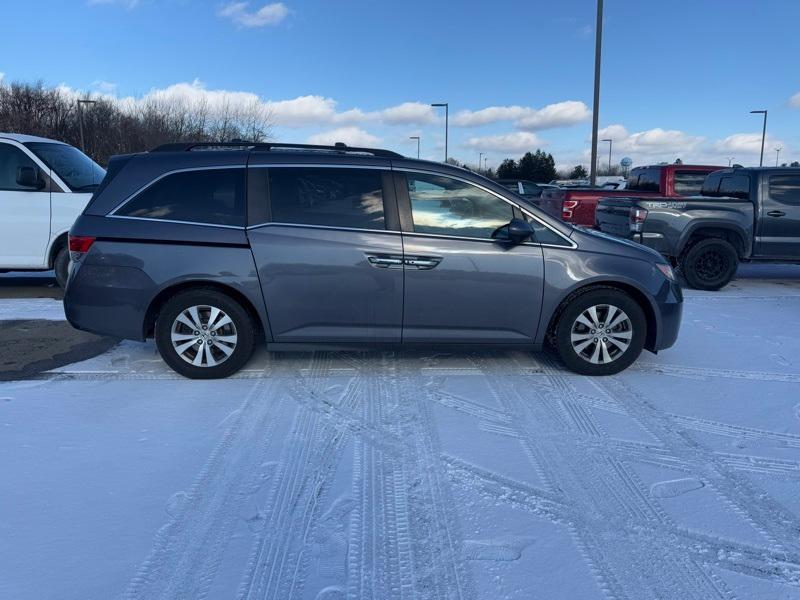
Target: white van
{"x":44,"y":186}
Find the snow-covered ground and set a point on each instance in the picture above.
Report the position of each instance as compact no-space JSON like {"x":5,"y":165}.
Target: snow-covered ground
{"x":417,"y":475}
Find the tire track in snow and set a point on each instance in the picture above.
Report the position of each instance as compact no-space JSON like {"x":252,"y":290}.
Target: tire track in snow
{"x":276,"y":568}
{"x":607,"y":498}
{"x":706,"y":372}
{"x":767,"y":516}
{"x":188,"y":549}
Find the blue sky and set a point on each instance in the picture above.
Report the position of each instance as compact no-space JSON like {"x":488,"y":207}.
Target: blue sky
{"x":679,"y":77}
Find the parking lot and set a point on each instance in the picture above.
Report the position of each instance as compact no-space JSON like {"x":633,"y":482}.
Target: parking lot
{"x":391,"y":475}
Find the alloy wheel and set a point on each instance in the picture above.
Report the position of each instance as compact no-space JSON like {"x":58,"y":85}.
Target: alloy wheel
{"x":203,"y":336}
{"x":601,"y":334}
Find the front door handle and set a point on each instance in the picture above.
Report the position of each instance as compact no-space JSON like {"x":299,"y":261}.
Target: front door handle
{"x":776,"y":213}
{"x":423,"y":263}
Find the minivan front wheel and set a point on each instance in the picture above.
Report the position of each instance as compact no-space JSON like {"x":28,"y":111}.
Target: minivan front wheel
{"x":600,"y":332}
{"x":204,"y":334}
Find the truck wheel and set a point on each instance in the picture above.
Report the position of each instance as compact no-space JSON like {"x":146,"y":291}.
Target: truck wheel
{"x":61,"y":266}
{"x":710,"y":264}
{"x":600,"y":332}
{"x":204,"y":334}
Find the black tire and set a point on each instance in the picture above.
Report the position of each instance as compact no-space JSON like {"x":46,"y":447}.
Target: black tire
{"x":243,"y":328}
{"x":710,"y":264}
{"x":634,"y":331}
{"x":61,"y":266}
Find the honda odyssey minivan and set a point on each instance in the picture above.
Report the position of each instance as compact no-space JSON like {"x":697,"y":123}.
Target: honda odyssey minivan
{"x":209,"y":248}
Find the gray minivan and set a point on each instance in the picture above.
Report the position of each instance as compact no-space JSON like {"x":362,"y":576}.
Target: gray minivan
{"x":211,"y":247}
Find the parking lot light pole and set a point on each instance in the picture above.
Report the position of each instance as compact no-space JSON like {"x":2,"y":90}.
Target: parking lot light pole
{"x":598,"y":44}
{"x":763,"y":133}
{"x":485,"y":160}
{"x":80,"y":120}
{"x":480,"y":160}
{"x":610,"y":143}
{"x":777,"y":154}
{"x":415,"y":137}
{"x":730,"y":160}
{"x":446,"y":123}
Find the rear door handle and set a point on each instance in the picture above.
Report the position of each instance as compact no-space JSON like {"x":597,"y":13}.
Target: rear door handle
{"x":423,"y":263}
{"x":776,"y":213}
{"x":384,"y":261}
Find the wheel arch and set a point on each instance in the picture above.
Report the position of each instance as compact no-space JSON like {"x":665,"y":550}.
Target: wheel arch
{"x":729,"y":232}
{"x":158,"y":301}
{"x":639,"y":296}
{"x":61,"y":240}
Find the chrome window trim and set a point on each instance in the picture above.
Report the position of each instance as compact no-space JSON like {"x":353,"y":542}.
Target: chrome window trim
{"x":176,"y":222}
{"x":152,"y":182}
{"x":328,"y":227}
{"x":572,"y":245}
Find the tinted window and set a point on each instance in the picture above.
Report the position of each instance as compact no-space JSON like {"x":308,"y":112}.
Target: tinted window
{"x":649,"y":180}
{"x":785,"y":189}
{"x":451,"y":207}
{"x":214,"y":196}
{"x":545,"y":235}
{"x":530,"y":189}
{"x":632,"y":182}
{"x":76,"y":169}
{"x":331,"y":197}
{"x":689,"y":183}
{"x":11,"y":161}
{"x":735,"y":186}
{"x":711,"y":184}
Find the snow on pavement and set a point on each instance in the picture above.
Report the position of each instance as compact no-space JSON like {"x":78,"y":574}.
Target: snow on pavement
{"x":48,"y":309}
{"x":417,"y":475}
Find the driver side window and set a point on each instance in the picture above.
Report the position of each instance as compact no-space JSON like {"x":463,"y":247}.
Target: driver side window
{"x":446,"y":206}
{"x":13,"y":166}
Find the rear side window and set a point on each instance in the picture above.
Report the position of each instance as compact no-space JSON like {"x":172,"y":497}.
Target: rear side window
{"x":785,"y":189}
{"x":211,"y":196}
{"x":644,"y":180}
{"x":689,"y":183}
{"x":736,"y":186}
{"x":711,"y":185}
{"x":351,"y":198}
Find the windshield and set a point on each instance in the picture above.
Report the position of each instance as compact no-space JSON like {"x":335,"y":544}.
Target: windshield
{"x":76,"y":169}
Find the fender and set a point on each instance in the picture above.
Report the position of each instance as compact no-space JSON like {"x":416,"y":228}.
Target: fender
{"x":727,"y":225}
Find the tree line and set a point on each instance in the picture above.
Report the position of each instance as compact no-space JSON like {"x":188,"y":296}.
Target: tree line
{"x":113,"y":127}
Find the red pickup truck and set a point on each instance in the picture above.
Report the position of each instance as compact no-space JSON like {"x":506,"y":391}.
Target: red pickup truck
{"x":577,"y":205}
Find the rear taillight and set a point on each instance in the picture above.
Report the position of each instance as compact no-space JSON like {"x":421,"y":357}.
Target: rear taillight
{"x":79,"y":245}
{"x":567,"y":208}
{"x":638,"y":216}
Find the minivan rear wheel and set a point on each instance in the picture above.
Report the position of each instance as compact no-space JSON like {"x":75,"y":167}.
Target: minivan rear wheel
{"x":204,"y":334}
{"x":600,"y":332}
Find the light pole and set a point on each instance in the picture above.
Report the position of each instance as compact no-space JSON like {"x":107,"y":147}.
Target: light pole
{"x":730,"y":159}
{"x":610,"y":143}
{"x":80,"y":119}
{"x":415,"y":137}
{"x":763,"y":133}
{"x":480,"y":160}
{"x":485,"y":159}
{"x":598,"y":45}
{"x":446,"y":123}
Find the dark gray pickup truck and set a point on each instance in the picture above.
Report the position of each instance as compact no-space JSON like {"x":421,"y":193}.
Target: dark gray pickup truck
{"x":741,"y":215}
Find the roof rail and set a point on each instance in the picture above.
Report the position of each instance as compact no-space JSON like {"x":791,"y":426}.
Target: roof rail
{"x":244,"y":144}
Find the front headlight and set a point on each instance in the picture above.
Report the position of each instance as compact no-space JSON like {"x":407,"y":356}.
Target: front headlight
{"x":666,"y":270}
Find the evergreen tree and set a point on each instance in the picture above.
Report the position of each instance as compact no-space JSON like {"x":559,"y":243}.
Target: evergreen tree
{"x":579,"y":172}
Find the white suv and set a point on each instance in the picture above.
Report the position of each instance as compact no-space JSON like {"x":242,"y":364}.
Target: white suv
{"x":44,"y":186}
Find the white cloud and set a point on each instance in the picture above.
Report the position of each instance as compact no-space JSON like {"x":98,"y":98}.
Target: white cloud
{"x":352,"y":136}
{"x":408,"y":113}
{"x":795,"y":100}
{"x":652,"y":144}
{"x":746,"y":143}
{"x":269,"y":14}
{"x":516,"y":142}
{"x":2,"y":76}
{"x":104,"y":87}
{"x":560,"y":114}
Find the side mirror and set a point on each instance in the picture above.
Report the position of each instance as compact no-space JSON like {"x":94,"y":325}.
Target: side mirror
{"x":519,"y":231}
{"x":29,"y":177}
